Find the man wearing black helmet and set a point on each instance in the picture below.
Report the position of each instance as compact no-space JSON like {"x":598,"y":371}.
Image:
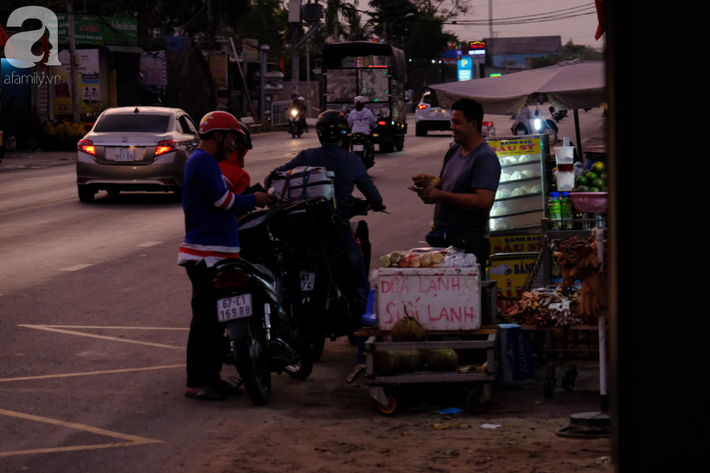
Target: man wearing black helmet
{"x":332,"y":127}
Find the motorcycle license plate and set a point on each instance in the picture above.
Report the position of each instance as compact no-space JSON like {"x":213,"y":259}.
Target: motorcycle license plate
{"x":358,"y":147}
{"x":307,"y":281}
{"x":236,"y":307}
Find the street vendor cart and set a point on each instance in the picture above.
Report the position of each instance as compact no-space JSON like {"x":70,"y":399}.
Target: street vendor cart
{"x":447,"y":303}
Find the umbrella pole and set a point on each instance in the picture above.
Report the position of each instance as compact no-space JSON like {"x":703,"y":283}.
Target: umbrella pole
{"x":576,"y":130}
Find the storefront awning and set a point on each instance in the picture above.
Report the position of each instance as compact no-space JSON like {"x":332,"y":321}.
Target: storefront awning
{"x":124,"y":49}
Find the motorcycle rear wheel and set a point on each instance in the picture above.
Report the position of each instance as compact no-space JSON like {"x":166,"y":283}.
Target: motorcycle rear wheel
{"x":304,"y":367}
{"x":317,"y":347}
{"x":253,"y":362}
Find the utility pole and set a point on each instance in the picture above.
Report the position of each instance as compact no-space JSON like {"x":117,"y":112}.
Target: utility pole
{"x":308,"y":79}
{"x":312,"y":14}
{"x":72,"y":63}
{"x":490,"y":19}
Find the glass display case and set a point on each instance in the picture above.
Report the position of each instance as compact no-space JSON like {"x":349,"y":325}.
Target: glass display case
{"x":520,"y":200}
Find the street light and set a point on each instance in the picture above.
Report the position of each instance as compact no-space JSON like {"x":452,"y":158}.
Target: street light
{"x":408,"y":15}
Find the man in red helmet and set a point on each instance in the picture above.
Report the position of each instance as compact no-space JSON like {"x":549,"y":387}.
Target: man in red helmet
{"x":211,"y":234}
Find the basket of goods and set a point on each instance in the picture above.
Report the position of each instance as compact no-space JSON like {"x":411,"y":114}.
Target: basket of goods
{"x":586,"y":202}
{"x":590,"y":192}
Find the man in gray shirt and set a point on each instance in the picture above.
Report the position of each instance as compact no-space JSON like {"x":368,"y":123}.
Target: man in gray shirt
{"x":464,"y":193}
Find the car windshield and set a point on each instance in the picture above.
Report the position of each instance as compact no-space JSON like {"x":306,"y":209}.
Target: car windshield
{"x":133,"y":122}
{"x":426,"y":99}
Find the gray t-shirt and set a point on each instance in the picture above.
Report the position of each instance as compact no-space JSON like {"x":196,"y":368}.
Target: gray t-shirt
{"x":479,"y":169}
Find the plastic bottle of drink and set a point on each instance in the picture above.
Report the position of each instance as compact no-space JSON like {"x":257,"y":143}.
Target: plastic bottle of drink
{"x":566,"y":211}
{"x":555,"y":210}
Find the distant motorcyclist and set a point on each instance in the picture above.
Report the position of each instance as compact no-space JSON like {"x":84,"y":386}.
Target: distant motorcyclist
{"x":332,"y":128}
{"x":361,"y":120}
{"x":524,"y":117}
{"x":300,"y":105}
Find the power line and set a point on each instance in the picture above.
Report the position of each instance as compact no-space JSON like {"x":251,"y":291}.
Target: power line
{"x":535,"y":18}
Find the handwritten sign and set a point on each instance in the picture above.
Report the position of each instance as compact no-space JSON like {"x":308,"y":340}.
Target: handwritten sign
{"x":439,"y":298}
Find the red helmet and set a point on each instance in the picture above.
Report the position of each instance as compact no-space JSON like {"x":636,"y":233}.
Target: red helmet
{"x":219,"y":120}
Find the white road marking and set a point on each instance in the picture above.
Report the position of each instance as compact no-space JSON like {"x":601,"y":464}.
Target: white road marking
{"x":76,"y":267}
{"x":131,"y":439}
{"x":90,"y":335}
{"x":149,"y":243}
{"x":90,"y":373}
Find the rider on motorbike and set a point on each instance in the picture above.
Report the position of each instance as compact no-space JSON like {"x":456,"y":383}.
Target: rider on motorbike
{"x":361,"y":120}
{"x":233,"y":168}
{"x":300,"y":105}
{"x":332,"y":128}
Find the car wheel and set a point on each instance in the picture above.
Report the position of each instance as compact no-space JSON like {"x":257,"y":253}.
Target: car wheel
{"x":399,"y":143}
{"x":386,"y":147}
{"x":420,"y":131}
{"x":86,"y":194}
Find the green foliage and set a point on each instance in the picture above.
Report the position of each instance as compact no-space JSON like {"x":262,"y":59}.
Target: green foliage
{"x":62,"y":135}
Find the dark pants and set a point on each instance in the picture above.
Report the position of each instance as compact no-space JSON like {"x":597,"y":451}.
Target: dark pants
{"x":356,"y":268}
{"x":205,"y":344}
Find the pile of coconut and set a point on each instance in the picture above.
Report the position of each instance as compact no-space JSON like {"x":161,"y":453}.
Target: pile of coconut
{"x":408,"y":329}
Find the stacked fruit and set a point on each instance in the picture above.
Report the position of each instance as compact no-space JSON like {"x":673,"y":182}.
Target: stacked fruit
{"x":592,"y":180}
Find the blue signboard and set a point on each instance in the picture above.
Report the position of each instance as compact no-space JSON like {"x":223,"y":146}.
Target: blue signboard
{"x":465,"y":69}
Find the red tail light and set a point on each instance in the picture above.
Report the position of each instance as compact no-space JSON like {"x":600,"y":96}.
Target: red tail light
{"x":231,"y":280}
{"x":422,"y":106}
{"x":87,"y":146}
{"x":381,"y":123}
{"x":165,"y":147}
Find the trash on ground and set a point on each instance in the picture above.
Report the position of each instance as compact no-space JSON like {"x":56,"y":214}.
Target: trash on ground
{"x":450,"y":410}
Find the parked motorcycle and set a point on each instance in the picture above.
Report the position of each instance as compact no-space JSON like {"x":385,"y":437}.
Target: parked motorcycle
{"x":260,"y":301}
{"x":295,"y":123}
{"x":537,"y":125}
{"x":326,"y":285}
{"x":557,"y":115}
{"x":361,"y":145}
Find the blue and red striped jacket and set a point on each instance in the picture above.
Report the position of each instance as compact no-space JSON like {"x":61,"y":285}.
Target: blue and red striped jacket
{"x":211,"y":230}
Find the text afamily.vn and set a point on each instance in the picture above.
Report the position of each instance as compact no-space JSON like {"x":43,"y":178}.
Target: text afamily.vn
{"x":34,"y":79}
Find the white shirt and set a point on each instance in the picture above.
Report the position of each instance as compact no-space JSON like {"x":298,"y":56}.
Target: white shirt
{"x":362,"y":121}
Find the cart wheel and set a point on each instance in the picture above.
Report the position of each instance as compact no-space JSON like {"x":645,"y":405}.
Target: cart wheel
{"x":568,"y":380}
{"x":473,"y":401}
{"x":548,"y":389}
{"x":395,"y":403}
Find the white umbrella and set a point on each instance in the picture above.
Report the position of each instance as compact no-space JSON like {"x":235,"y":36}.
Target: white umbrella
{"x":569,"y":85}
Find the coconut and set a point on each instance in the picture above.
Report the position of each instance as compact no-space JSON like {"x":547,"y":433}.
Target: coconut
{"x":386,"y":362}
{"x":409,"y":360}
{"x":443,"y":360}
{"x":407,"y":329}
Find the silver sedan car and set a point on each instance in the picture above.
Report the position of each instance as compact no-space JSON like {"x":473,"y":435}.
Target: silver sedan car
{"x":135,"y":149}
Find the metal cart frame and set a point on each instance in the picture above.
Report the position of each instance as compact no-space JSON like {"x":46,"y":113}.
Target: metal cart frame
{"x":381,"y":387}
{"x":389,"y":401}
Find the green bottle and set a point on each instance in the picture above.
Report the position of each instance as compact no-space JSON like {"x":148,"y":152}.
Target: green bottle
{"x":566,"y":211}
{"x":555,"y":210}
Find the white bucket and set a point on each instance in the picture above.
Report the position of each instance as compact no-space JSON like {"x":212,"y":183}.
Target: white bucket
{"x":564,"y":154}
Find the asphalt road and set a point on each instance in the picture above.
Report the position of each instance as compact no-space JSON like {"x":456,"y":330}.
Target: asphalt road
{"x":94,"y":313}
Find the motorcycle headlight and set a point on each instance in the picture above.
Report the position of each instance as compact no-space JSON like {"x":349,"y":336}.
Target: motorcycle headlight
{"x":537,"y":123}
{"x":294,"y":112}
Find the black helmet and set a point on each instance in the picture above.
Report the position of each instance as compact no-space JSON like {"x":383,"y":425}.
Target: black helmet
{"x":332,"y":126}
{"x":245,"y":138}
